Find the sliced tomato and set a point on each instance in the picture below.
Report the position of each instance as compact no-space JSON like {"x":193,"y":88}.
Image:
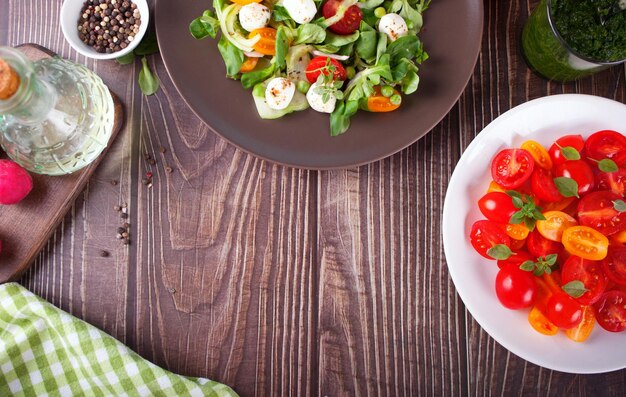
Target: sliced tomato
{"x":517,"y":245}
{"x":497,"y":207}
{"x":516,"y":259}
{"x":486,"y":234}
{"x":613,"y":181}
{"x":563,"y":311}
{"x":267,"y":43}
{"x":543,"y":186}
{"x":579,"y":171}
{"x":575,"y":141}
{"x":561,"y":205}
{"x":555,"y":223}
{"x":581,"y":332}
{"x":249,"y":64}
{"x":619,"y":237}
{"x":596,"y":210}
{"x":585,"y":242}
{"x":510,"y":168}
{"x":515,"y":288}
{"x":610,"y":311}
{"x":494,"y":187}
{"x":590,"y":273}
{"x":516,"y":231}
{"x":244,"y":2}
{"x":539,"y":153}
{"x":319,"y":65}
{"x":351,"y":18}
{"x":540,"y":322}
{"x":607,"y":144}
{"x":544,"y":292}
{"x":614,"y":264}
{"x":540,"y":246}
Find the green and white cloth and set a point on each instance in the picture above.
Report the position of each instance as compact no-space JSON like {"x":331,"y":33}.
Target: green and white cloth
{"x":47,"y":352}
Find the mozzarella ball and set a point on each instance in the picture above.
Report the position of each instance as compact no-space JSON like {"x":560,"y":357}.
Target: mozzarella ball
{"x":254,"y":16}
{"x":316,"y":102}
{"x":301,"y":11}
{"x":279,"y":93}
{"x":393,"y":25}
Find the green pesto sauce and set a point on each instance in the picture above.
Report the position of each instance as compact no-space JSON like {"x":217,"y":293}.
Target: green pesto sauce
{"x":595,"y":29}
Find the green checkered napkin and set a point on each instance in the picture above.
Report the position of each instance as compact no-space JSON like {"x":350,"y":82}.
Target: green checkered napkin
{"x":46,"y":352}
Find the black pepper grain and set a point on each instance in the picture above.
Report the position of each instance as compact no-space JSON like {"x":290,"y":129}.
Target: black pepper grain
{"x":100,"y":20}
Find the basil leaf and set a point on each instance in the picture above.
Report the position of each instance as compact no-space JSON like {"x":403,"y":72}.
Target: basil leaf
{"x":513,"y":193}
{"x":500,"y":251}
{"x":527,"y":266}
{"x":517,"y":202}
{"x":574,"y":288}
{"x":148,"y":83}
{"x":619,"y":205}
{"x":538,"y":272}
{"x":570,"y":153}
{"x":607,"y":165}
{"x":233,"y":56}
{"x":551,"y":259}
{"x":529,"y":223}
{"x":566,"y":186}
{"x":517,"y":218}
{"x":126,"y":59}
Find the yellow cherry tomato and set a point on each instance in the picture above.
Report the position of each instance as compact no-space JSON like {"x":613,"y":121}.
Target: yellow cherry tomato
{"x":585,"y":242}
{"x":541,"y":323}
{"x":581,"y":332}
{"x":539,"y":153}
{"x":494,"y":187}
{"x":516,"y":232}
{"x":555,"y":223}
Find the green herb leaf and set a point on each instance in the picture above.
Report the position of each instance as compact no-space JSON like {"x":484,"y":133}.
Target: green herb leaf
{"x":607,"y":165}
{"x":517,"y":218}
{"x":529,"y":223}
{"x":551,"y":259}
{"x":233,"y":56}
{"x":126,"y":59}
{"x":148,"y":82}
{"x":500,"y":251}
{"x":575,"y":288}
{"x":527,"y":266}
{"x":513,"y":193}
{"x":570,"y":153}
{"x":566,"y":186}
{"x":205,"y":25}
{"x":619,"y":205}
{"x":517,"y":202}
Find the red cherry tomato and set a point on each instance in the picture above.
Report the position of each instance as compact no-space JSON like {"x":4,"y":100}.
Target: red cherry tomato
{"x":590,"y":273}
{"x":515,"y":288}
{"x":610,"y":311}
{"x":486,"y":234}
{"x":543,"y":187}
{"x":607,"y":144}
{"x":596,"y":210}
{"x":351,"y":19}
{"x":517,"y":259}
{"x":563,"y":311}
{"x":539,"y":246}
{"x":614,"y":264}
{"x":579,"y":171}
{"x":613,"y":181}
{"x":497,"y":207}
{"x":317,"y":66}
{"x":512,"y":167}
{"x":575,"y":141}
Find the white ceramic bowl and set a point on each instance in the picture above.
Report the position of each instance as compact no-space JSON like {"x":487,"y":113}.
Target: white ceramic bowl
{"x":543,"y":120}
{"x":70,"y":14}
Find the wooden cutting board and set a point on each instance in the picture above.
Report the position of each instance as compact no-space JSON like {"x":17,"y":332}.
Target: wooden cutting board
{"x":26,"y":227}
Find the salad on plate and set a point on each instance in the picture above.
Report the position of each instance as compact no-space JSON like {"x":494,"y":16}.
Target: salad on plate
{"x":334,"y":56}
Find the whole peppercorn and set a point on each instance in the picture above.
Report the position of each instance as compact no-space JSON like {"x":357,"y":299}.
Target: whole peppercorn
{"x":108,"y":25}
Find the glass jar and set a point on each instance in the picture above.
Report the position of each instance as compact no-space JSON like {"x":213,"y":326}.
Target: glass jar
{"x":60,"y":118}
{"x":548,"y":53}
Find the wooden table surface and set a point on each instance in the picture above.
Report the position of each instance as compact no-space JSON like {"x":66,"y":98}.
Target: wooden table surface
{"x":280,"y":281}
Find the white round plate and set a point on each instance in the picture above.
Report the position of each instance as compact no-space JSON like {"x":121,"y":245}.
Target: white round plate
{"x":544,"y":120}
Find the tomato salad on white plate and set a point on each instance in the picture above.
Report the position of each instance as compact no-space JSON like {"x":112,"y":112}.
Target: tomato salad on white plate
{"x":334,"y":56}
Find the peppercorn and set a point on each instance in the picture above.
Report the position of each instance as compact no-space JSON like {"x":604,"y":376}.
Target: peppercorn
{"x":99,"y":21}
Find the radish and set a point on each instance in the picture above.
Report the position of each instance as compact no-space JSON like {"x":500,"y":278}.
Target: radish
{"x":15,"y":182}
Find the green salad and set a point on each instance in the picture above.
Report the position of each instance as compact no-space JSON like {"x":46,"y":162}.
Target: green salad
{"x":335,"y":57}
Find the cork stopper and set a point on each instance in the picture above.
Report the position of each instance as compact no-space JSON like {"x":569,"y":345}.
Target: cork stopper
{"x":9,"y":81}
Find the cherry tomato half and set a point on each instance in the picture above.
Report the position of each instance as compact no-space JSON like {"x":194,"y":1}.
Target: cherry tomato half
{"x":543,"y":186}
{"x":351,"y":19}
{"x":563,"y":311}
{"x":539,"y":153}
{"x":512,"y":167}
{"x":607,"y":144}
{"x":614,"y":264}
{"x":575,"y":141}
{"x":555,"y":223}
{"x":516,"y":231}
{"x":613,"y":181}
{"x":596,"y":210}
{"x":249,"y":64}
{"x":585,"y":242}
{"x":590,"y":273}
{"x":581,"y":332}
{"x":540,"y":246}
{"x":610,"y":311}
{"x":318,"y":66}
{"x":486,"y":234}
{"x":497,"y":207}
{"x":267,"y":43}
{"x":541,"y":323}
{"x":515,"y":288}
{"x":579,"y":171}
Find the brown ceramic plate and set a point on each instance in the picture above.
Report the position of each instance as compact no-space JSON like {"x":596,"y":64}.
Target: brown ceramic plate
{"x":452,"y":37}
